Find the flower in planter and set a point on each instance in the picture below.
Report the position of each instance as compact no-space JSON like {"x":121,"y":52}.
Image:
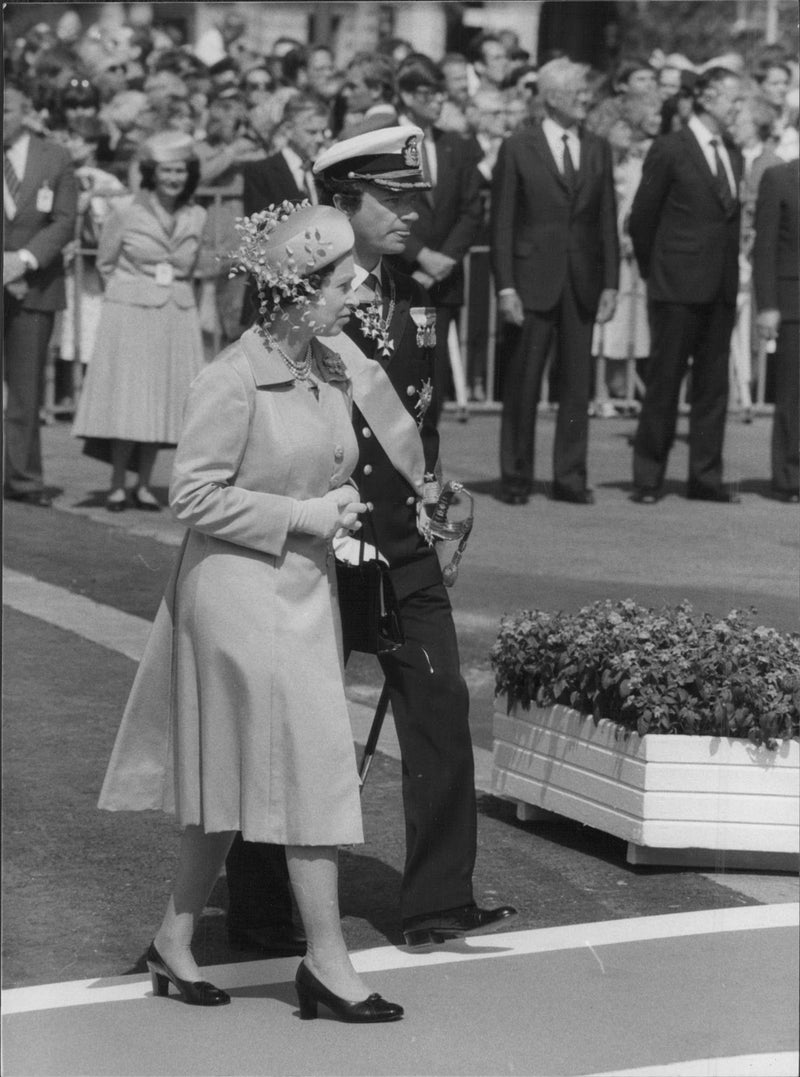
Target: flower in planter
{"x":655,"y":671}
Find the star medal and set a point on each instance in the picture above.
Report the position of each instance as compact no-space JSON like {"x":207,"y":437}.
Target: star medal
{"x":423,"y":400}
{"x":374,"y":326}
{"x":425,"y":320}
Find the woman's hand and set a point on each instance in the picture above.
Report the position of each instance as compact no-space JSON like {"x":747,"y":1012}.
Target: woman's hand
{"x":338,"y":510}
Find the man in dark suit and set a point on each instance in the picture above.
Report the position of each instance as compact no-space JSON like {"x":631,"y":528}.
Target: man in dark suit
{"x":775,"y":282}
{"x":555,"y":256}
{"x":39,"y":209}
{"x":449,"y":215}
{"x":685,"y":230}
{"x":386,"y":346}
{"x":286,"y":175}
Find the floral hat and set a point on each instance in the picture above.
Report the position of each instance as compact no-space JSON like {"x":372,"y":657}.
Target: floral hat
{"x":283,"y":245}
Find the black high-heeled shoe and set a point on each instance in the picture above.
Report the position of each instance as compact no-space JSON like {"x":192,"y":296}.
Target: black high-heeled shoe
{"x":199,"y":993}
{"x":145,"y":504}
{"x":310,"y":992}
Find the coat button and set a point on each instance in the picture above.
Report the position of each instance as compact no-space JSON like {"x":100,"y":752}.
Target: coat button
{"x":338,"y":454}
{"x":367,"y":469}
{"x":411,"y":501}
{"x":410,"y":390}
{"x":367,"y":433}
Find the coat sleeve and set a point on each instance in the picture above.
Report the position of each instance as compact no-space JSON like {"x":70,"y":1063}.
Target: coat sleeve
{"x":203,"y":493}
{"x":504,"y":200}
{"x":110,"y":244}
{"x":47,"y":244}
{"x":648,"y":203}
{"x":765,"y":245}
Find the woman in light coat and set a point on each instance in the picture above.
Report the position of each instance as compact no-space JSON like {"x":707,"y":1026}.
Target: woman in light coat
{"x":237,"y":720}
{"x":148,"y":348}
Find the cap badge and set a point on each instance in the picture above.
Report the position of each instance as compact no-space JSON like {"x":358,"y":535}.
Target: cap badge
{"x":411,"y":152}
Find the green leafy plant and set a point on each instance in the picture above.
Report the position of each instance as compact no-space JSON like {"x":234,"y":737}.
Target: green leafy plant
{"x":655,"y":671}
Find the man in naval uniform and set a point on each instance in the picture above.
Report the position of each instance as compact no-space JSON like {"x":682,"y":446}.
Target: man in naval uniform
{"x":388,"y":347}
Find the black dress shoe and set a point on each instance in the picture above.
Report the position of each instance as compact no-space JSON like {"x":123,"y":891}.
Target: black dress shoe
{"x":721,"y":495}
{"x":146,"y":505}
{"x":195,"y":993}
{"x":310,"y":992}
{"x":38,"y":498}
{"x":573,"y":497}
{"x":270,"y":941}
{"x":438,"y":927}
{"x":646,"y":497}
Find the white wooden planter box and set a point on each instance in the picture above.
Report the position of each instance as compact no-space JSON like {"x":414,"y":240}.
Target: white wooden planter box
{"x":674,"y":799}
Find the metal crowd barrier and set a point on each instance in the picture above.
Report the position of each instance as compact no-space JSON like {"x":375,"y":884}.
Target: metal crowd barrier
{"x":458,"y":342}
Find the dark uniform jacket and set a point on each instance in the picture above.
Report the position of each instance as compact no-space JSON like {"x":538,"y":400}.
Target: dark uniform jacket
{"x":775,"y":251}
{"x":395,"y":499}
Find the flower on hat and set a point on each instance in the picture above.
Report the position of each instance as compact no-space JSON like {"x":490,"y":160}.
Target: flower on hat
{"x":280,"y":270}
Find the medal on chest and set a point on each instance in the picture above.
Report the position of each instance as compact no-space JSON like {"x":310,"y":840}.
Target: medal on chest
{"x":424,"y":319}
{"x":374,"y":326}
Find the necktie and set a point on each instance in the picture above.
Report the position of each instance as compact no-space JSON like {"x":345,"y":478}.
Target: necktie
{"x":308,"y":186}
{"x":721,"y":178}
{"x":569,"y":165}
{"x":11,"y":178}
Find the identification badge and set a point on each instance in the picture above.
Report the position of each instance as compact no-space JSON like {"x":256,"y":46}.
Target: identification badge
{"x":425,"y":320}
{"x":44,"y":199}
{"x":165,"y":274}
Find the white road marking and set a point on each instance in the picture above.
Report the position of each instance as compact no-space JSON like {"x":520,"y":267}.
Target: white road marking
{"x":385,"y":958}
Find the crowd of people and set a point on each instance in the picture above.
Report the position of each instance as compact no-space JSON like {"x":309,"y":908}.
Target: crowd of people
{"x":257,"y":122}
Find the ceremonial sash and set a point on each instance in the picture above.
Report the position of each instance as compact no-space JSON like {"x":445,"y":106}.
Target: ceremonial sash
{"x":377,"y":400}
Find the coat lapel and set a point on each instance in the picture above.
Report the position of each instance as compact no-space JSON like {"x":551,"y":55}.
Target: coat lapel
{"x":35,"y":173}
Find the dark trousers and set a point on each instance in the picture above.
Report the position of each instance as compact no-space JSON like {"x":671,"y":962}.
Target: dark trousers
{"x":442,"y":375}
{"x":786,"y":420}
{"x":678,"y":331}
{"x":430,"y":704}
{"x":571,"y":326}
{"x":26,"y":336}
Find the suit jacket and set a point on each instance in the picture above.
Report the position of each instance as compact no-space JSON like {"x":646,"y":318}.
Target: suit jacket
{"x":775,"y":251}
{"x":44,"y":234}
{"x":539,"y":236}
{"x":269,"y":182}
{"x":685,"y":241}
{"x":413,"y":563}
{"x":450,"y":220}
{"x":133,"y":242}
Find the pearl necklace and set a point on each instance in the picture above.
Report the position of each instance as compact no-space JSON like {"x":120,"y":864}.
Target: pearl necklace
{"x":300,"y":368}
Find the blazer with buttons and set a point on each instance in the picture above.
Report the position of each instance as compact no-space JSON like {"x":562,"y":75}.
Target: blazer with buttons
{"x":412,"y":562}
{"x":541,"y":237}
{"x":44,"y":234}
{"x":134,"y":241}
{"x":685,"y":239}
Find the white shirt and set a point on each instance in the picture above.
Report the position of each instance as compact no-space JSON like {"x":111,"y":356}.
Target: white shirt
{"x":704,"y":137}
{"x":554,"y":133}
{"x":363,"y":293}
{"x":302,"y":176}
{"x":18,"y":156}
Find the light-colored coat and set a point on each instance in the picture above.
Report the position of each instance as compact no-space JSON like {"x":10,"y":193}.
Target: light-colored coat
{"x":237,"y":719}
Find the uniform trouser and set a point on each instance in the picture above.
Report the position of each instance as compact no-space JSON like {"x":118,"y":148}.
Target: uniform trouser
{"x":26,"y":336}
{"x":430,"y":705}
{"x":522,"y":382}
{"x":786,"y":420}
{"x":678,"y":331}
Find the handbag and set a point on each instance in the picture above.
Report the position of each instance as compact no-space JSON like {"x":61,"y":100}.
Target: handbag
{"x":367,"y":603}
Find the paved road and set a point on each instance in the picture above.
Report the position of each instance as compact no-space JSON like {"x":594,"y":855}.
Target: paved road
{"x":84,"y":888}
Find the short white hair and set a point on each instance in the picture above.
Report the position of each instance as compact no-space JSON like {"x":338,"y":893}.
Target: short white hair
{"x":560,"y":74}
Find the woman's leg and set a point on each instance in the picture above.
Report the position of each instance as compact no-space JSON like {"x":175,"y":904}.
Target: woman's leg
{"x":314,"y":873}
{"x":201,"y":858}
{"x":120,"y":451}
{"x":147,"y":458}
